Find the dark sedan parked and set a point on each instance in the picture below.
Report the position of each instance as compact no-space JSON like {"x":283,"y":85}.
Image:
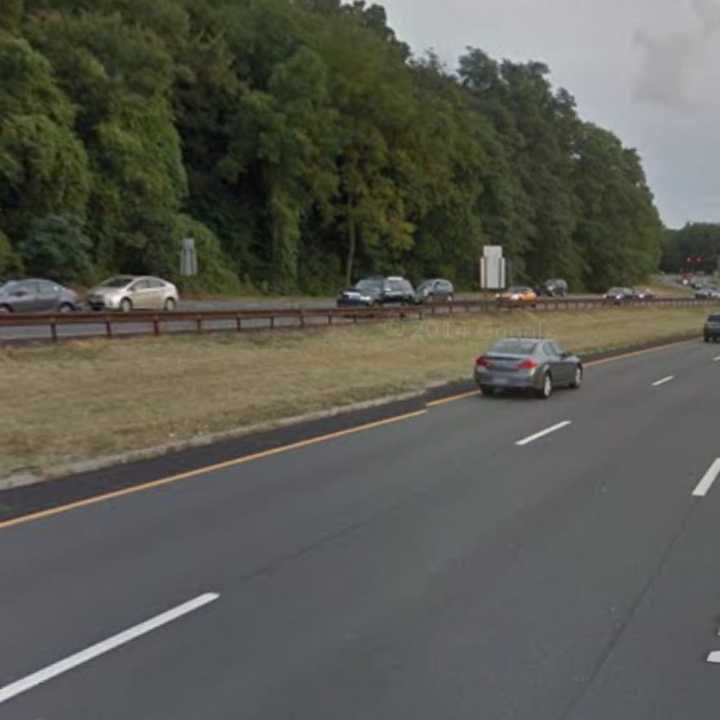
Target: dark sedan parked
{"x":36,"y":296}
{"x":531,"y":364}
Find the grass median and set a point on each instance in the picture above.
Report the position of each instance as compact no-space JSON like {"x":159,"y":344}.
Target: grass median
{"x":86,"y":399}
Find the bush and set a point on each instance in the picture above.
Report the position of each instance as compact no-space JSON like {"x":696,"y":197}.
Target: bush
{"x":10,"y":262}
{"x":57,"y":248}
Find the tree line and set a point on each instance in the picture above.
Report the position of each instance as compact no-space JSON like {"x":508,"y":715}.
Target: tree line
{"x":693,"y":248}
{"x":302,"y":145}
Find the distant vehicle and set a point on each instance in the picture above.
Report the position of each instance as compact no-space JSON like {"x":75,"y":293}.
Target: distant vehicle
{"x":620,"y":295}
{"x":518,"y":295}
{"x":553,"y":288}
{"x":377,"y":291}
{"x":711,"y":330}
{"x":34,"y":295}
{"x":128,"y":292}
{"x":707,"y":293}
{"x":697,"y":284}
{"x":644,"y":294}
{"x":436,"y":289}
{"x":530,"y":364}
{"x":398,"y":290}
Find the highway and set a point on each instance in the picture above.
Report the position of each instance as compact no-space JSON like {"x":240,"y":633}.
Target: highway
{"x":489,"y":559}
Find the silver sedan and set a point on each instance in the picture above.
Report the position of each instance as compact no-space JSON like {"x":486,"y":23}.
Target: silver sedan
{"x":536,"y":365}
{"x":128,"y":292}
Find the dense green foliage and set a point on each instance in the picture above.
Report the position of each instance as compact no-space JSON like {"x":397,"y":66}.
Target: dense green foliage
{"x":302,"y":145}
{"x":696,"y":247}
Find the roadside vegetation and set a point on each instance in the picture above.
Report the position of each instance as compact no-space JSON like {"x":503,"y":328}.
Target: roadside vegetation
{"x":302,"y":145}
{"x":87,"y":399}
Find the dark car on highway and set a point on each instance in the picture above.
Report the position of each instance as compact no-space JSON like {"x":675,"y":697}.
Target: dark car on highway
{"x":377,"y":291}
{"x":36,"y":295}
{"x":434,"y":290}
{"x":711,"y":331}
{"x":531,"y":364}
{"x":620,"y":295}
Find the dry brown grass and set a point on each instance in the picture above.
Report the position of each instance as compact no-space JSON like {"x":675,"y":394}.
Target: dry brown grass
{"x":82,"y":400}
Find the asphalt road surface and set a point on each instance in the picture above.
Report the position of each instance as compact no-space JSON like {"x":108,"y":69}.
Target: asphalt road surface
{"x":430,"y":568}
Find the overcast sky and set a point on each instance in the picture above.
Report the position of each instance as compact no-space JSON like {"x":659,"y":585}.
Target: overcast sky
{"x":647,"y":69}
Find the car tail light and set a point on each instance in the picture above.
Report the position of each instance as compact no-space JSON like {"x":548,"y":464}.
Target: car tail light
{"x":528,"y":365}
{"x":482,"y":361}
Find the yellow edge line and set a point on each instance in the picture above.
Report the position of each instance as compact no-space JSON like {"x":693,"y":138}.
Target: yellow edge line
{"x":204,"y":470}
{"x":453,"y":398}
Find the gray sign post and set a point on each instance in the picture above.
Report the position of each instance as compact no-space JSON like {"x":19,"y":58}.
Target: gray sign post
{"x":188,"y":258}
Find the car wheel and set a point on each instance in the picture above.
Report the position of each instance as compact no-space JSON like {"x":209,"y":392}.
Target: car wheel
{"x":487,"y":391}
{"x":66,"y":308}
{"x":126,"y":305}
{"x":706,"y":338}
{"x":5,"y":309}
{"x":578,"y":378}
{"x":169,"y":305}
{"x":547,"y":387}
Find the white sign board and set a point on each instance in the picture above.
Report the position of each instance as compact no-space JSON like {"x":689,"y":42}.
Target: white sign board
{"x":493,"y":268}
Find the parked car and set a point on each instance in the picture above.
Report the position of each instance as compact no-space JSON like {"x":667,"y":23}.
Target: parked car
{"x":377,"y":291}
{"x":707,"y":293}
{"x":128,"y":292}
{"x":553,"y":288}
{"x":711,"y":330}
{"x":434,"y":290}
{"x":530,"y":364}
{"x":644,"y":294}
{"x":518,"y":295}
{"x":35,"y":295}
{"x":620,"y":295}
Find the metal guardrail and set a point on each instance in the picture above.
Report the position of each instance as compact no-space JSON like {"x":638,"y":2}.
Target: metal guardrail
{"x":155,"y":323}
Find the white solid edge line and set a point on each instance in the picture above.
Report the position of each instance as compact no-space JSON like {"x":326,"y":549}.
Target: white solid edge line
{"x":714,"y":657}
{"x":664,"y":381}
{"x":63,"y":666}
{"x":543,"y":434}
{"x":709,"y":478}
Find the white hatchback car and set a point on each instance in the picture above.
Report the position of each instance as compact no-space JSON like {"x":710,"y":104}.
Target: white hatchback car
{"x":129,"y":292}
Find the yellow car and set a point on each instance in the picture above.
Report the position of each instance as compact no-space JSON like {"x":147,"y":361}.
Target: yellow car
{"x":518,"y":295}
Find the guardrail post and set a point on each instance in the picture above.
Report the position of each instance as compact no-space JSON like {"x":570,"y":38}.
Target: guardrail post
{"x":198,"y":320}
{"x":330,"y":318}
{"x":53,"y":330}
{"x":238,"y":322}
{"x":272,"y":322}
{"x":302,"y":318}
{"x":156,"y":326}
{"x":108,"y":327}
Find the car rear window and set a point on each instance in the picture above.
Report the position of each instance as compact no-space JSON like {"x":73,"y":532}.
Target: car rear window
{"x":514,"y":347}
